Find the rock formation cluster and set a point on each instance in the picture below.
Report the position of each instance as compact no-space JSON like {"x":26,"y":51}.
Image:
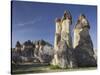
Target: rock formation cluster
{"x":32,"y":52}
{"x":81,"y":53}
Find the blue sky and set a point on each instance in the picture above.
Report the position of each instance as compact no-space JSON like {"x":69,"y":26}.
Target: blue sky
{"x":35,"y":21}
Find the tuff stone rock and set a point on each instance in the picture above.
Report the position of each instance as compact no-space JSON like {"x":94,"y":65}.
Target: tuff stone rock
{"x":44,"y":54}
{"x":83,"y":46}
{"x":63,"y":54}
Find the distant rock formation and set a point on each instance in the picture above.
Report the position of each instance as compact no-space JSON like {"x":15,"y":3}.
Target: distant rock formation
{"x":42,"y":51}
{"x":18,"y":46}
{"x":39,"y":51}
{"x":83,"y":46}
{"x":28,"y":49}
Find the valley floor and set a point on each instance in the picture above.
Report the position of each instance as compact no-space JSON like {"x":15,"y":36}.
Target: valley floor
{"x":42,"y":68}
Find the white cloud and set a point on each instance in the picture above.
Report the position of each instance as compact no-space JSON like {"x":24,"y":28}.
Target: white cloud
{"x":29,"y":22}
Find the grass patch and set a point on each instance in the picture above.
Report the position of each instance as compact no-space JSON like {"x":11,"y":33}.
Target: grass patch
{"x":26,"y":69}
{"x":54,"y":67}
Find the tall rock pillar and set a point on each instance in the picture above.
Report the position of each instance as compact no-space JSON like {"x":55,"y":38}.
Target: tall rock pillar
{"x":57,"y":39}
{"x":65,"y":33}
{"x":63,"y":56}
{"x":83,"y":46}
